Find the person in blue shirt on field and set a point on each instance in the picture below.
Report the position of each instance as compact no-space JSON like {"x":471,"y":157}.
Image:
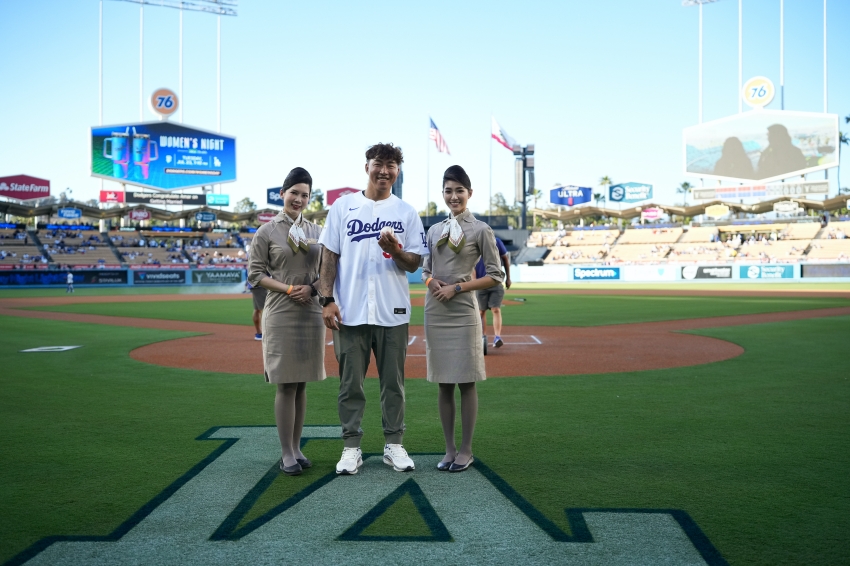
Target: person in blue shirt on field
{"x":492,"y":298}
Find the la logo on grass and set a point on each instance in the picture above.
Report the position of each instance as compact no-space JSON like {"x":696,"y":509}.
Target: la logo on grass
{"x":209,"y":516}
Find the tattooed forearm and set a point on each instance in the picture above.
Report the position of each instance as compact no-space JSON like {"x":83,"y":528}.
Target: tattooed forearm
{"x":327,"y":272}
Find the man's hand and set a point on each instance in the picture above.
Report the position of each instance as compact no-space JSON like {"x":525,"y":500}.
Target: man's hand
{"x":301,"y":294}
{"x":508,"y":283}
{"x":389,"y":243}
{"x":331,"y":315}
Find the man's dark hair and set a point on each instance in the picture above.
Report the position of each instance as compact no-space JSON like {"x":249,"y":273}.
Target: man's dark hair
{"x":385,"y":152}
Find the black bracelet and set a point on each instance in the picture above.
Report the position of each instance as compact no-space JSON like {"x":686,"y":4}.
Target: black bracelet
{"x":314,"y":292}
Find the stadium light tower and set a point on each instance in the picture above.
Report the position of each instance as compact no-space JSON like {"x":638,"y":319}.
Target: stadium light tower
{"x":699,"y":3}
{"x":218,"y":7}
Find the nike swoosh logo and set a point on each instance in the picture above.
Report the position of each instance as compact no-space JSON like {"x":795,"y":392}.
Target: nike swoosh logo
{"x":353,"y":208}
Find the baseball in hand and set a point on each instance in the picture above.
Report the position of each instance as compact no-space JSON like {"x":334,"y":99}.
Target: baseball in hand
{"x":387,"y":230}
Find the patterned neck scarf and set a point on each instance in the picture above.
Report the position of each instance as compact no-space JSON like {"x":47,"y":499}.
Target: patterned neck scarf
{"x":297,"y":240}
{"x":452,"y":233}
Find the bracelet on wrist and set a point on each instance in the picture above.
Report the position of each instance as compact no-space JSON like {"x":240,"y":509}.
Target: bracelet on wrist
{"x":289,"y":291}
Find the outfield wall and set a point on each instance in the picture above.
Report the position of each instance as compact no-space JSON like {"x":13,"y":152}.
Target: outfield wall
{"x":755,"y":272}
{"x":122,"y":277}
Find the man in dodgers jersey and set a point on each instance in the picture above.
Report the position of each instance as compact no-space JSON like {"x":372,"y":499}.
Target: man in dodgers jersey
{"x":371,"y":238}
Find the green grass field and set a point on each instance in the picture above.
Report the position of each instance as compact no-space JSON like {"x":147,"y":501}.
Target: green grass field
{"x":755,"y":449}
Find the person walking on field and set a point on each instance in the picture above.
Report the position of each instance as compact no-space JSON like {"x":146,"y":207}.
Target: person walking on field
{"x":70,"y":281}
{"x":371,"y":239}
{"x":284,"y":260}
{"x":452,"y":321}
{"x":258,"y":294}
{"x":492,"y":298}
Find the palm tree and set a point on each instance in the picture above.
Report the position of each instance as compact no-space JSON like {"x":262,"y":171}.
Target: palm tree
{"x":684,"y":189}
{"x":598,"y":197}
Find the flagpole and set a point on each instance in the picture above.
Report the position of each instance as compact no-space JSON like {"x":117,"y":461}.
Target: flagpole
{"x":428,"y":179}
{"x":490,"y":201}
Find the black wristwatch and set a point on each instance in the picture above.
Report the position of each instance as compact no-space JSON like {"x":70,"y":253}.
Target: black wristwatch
{"x":325,"y":301}
{"x":313,"y":291}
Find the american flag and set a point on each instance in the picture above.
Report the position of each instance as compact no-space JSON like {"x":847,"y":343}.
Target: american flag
{"x":438,"y":139}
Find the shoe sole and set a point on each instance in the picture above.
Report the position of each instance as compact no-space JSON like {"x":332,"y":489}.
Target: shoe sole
{"x":389,"y":462}
{"x":349,"y":472}
{"x":498,"y":343}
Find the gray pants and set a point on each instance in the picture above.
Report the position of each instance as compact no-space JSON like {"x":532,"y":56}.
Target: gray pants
{"x":353,"y":346}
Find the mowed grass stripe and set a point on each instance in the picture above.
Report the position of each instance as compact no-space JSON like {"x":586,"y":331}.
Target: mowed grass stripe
{"x":537,"y":310}
{"x":554,"y":310}
{"x":755,"y":448}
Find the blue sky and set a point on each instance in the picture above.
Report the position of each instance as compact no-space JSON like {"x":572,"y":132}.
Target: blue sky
{"x":601,"y":88}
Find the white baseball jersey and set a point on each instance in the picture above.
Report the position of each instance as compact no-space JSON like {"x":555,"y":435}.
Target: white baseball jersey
{"x":370,"y":288}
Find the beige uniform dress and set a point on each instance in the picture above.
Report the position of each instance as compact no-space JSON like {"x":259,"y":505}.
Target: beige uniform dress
{"x":293,"y":334}
{"x":453,"y":329}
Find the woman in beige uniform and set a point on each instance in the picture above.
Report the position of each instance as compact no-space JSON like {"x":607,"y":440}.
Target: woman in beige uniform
{"x":285,"y":260}
{"x":452,"y":322}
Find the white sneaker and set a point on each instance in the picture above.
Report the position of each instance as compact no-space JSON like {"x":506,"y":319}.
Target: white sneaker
{"x":352,"y":459}
{"x":396,"y":456}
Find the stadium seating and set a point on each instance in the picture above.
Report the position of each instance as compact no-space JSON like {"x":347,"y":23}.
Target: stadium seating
{"x":19,"y":254}
{"x":575,"y":254}
{"x":702,"y":251}
{"x":836,"y":231}
{"x":699,"y":234}
{"x":152,"y":256}
{"x":225,"y":256}
{"x":805,"y":231}
{"x":10,"y":237}
{"x":587,"y":238}
{"x":781,"y":251}
{"x":829,"y":250}
{"x":650,"y":236}
{"x":638,"y":253}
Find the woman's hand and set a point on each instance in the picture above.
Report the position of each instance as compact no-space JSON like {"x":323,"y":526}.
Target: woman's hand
{"x":301,"y":294}
{"x":435,"y":285}
{"x":445,"y":293}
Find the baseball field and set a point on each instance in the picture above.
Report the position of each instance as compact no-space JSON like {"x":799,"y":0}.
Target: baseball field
{"x":621,"y":425}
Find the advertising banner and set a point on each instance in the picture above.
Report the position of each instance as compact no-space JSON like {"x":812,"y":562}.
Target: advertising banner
{"x":767,"y":145}
{"x":763,"y":191}
{"x":205,"y":216}
{"x":24,"y":187}
{"x":787,"y":207}
{"x":140,"y":214}
{"x":651,"y":213}
{"x":629,"y":192}
{"x":162,"y":155}
{"x":717,"y":210}
{"x":766,"y":272}
{"x":86,"y":277}
{"x":69,"y":213}
{"x":826,"y":270}
{"x":707,"y":272}
{"x":273,"y":196}
{"x":111,"y":196}
{"x":334,"y":194}
{"x":650,"y":273}
{"x":570,"y":195}
{"x":596,"y":273}
{"x":159,"y":277}
{"x":138,"y":197}
{"x":218,"y":200}
{"x":265,"y":217}
{"x":208,"y":276}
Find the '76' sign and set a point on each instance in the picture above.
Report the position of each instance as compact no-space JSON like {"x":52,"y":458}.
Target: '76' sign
{"x":164,"y":102}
